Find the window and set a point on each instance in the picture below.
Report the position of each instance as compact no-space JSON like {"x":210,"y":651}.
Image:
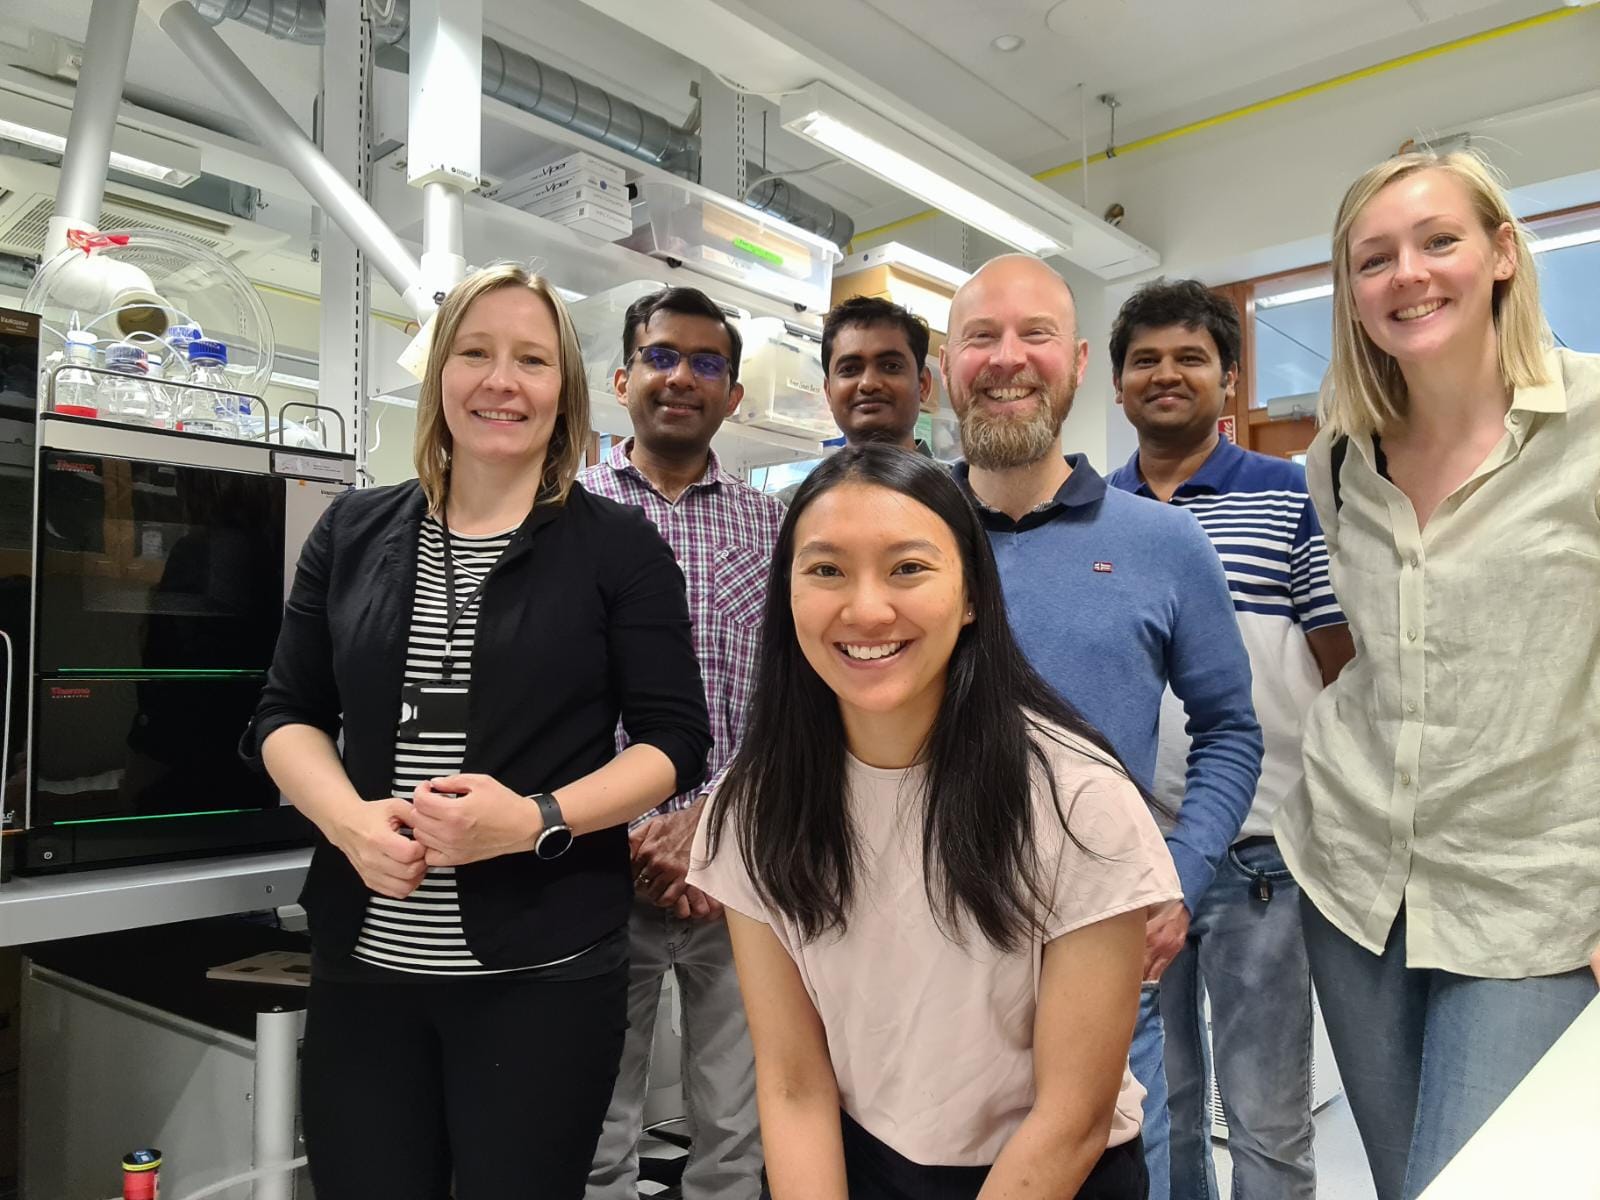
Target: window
{"x":1293,"y":335}
{"x":1567,"y":251}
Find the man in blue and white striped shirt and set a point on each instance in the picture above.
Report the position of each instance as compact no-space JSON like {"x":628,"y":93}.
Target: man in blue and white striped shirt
{"x":1175,"y":361}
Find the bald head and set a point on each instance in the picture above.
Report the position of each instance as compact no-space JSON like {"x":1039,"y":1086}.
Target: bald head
{"x":1007,"y":273}
{"x":1013,"y":361}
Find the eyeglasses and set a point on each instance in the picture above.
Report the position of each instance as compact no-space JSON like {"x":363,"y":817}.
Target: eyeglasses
{"x":703,"y":363}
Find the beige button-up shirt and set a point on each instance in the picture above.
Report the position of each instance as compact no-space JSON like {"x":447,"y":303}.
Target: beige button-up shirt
{"x":1454,"y":767}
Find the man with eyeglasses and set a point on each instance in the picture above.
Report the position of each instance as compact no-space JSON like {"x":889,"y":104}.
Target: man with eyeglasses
{"x":679,"y":381}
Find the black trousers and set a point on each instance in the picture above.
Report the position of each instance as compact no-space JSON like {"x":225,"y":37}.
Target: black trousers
{"x":873,"y":1171}
{"x":499,"y":1083}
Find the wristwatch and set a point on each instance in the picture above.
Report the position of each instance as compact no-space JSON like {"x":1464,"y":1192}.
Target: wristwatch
{"x":556,"y":836}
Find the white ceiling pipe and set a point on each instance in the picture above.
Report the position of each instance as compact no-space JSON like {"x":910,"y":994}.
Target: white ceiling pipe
{"x":278,"y":133}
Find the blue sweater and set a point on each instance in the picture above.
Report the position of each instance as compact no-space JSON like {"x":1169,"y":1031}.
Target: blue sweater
{"x":1113,"y":598}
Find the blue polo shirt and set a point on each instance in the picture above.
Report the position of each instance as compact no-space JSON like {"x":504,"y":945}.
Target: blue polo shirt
{"x":1258,"y":515}
{"x":1113,"y":598}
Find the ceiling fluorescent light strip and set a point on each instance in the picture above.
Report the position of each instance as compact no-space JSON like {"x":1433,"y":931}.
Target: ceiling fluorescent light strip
{"x":36,"y":123}
{"x":826,"y":117}
{"x":1295,"y":297}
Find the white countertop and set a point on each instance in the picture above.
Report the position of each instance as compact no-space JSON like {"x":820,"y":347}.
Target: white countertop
{"x":1541,"y":1141}
{"x":43,"y":908}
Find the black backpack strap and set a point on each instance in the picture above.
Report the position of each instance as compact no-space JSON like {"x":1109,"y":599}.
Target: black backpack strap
{"x":1336,"y":454}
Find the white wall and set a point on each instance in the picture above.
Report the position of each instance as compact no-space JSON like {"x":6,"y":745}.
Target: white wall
{"x":1257,"y":194}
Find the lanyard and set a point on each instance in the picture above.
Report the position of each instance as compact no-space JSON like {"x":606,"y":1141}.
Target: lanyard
{"x":453,"y":614}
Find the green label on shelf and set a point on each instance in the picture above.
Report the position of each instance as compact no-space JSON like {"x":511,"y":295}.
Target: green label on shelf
{"x":761,"y":252}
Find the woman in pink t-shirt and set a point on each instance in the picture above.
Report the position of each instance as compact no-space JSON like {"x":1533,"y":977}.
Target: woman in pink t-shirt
{"x":936,"y":873}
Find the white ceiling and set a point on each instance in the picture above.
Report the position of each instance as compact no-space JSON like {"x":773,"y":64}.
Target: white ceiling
{"x":1167,"y":61}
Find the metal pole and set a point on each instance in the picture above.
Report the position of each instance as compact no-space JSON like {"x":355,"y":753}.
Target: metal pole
{"x":1083,"y":143}
{"x":277,"y":1063}
{"x":94,"y":118}
{"x":279,"y":134}
{"x":443,"y":264}
{"x":344,"y":330}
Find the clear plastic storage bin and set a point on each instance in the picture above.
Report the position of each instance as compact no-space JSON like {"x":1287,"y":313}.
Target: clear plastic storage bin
{"x":782,"y":376}
{"x":723,"y":238}
{"x":598,"y":319}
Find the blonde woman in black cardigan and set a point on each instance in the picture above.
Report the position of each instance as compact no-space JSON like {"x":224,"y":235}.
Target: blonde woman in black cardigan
{"x":474,"y":636}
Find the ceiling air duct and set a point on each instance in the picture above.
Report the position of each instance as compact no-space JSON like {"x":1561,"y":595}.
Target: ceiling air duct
{"x":551,"y":94}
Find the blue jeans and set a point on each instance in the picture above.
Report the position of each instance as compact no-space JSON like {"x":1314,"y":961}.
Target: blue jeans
{"x":1145,"y":1057}
{"x":1427,"y":1056}
{"x":1249,"y":956}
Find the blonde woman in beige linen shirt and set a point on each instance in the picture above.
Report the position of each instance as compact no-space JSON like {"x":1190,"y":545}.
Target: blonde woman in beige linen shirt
{"x":1448,"y":843}
{"x":936,"y":873}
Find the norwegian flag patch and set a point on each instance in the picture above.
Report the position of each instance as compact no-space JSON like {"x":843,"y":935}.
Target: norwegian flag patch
{"x":1102,"y":568}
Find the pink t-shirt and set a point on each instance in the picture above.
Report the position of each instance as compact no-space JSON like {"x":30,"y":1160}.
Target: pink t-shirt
{"x":932,"y":1041}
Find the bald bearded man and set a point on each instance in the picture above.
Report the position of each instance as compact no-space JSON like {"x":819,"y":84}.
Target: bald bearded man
{"x":1113,"y":597}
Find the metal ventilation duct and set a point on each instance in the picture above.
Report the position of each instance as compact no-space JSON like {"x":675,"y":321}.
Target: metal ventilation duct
{"x":552,"y":94}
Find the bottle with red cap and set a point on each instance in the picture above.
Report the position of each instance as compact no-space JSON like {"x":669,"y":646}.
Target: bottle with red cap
{"x":141,"y":1175}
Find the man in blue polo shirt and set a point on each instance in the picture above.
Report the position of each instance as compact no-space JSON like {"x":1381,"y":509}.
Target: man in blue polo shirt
{"x":1174,"y":359}
{"x":1112,"y":598}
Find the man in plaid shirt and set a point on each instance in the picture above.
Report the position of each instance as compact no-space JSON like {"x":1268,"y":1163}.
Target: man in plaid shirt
{"x":679,"y":380}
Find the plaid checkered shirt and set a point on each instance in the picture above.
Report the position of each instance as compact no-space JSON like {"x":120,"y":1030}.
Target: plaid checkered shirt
{"x":723,"y":532}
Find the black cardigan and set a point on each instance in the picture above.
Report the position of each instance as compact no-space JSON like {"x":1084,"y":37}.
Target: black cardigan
{"x":584,"y":619}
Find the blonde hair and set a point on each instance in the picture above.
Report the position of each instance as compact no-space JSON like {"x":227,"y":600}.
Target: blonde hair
{"x":1364,"y":391}
{"x":564,"y":456}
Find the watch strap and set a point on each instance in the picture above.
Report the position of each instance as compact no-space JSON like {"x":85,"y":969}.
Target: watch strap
{"x":555,"y":838}
{"x":549,"y":812}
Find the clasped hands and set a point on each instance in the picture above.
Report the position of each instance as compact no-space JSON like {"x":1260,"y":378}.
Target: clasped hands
{"x":448,"y":822}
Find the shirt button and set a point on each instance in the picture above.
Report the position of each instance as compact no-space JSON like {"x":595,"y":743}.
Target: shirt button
{"x":1403,"y":844}
{"x":1411,"y":706}
{"x":1415,"y":562}
{"x":1411,"y":635}
{"x":1405,"y":779}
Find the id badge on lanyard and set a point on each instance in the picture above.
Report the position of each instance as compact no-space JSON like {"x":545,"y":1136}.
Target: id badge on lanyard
{"x":440,"y":706}
{"x":435,"y":707}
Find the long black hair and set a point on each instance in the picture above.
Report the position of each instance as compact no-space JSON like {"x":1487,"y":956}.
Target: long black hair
{"x":784,"y":796}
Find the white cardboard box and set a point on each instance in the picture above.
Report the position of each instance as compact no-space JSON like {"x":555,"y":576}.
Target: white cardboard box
{"x":524,"y":194}
{"x":587,"y":219}
{"x":584,"y":165}
{"x":606,"y":200}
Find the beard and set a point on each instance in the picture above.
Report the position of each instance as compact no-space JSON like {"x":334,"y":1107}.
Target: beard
{"x":997,"y":443}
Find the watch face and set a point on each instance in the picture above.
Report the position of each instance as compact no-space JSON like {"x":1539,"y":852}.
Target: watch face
{"x":554,"y":842}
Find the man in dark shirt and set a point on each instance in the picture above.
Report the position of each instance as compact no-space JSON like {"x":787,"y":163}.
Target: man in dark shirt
{"x":875,"y":373}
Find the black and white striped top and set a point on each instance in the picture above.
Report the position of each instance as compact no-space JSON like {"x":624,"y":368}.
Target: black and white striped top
{"x":422,"y":933}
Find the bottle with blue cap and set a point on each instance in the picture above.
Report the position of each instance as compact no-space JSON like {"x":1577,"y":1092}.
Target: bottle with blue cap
{"x":178,"y":339}
{"x":75,"y":386}
{"x":128,"y":395}
{"x":208,"y":412}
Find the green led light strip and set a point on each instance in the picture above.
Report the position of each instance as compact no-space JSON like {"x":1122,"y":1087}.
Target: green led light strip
{"x":158,"y":673}
{"x":210,"y":812}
